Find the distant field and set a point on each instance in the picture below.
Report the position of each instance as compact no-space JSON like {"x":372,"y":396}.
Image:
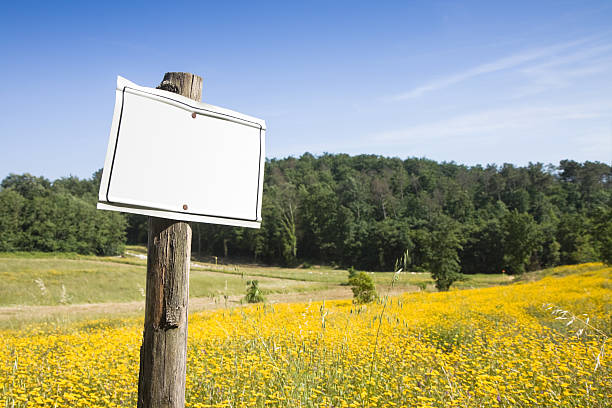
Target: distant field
{"x":55,"y":281}
{"x":60,"y":279}
{"x":317,"y":273}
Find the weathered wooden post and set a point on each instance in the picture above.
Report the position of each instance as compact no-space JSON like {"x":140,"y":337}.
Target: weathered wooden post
{"x":163,"y":354}
{"x":176,"y":141}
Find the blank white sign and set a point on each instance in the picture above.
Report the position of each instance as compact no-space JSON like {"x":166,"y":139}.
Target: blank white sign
{"x":172,"y":157}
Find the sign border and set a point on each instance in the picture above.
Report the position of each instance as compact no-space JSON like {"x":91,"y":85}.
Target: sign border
{"x":104,"y":202}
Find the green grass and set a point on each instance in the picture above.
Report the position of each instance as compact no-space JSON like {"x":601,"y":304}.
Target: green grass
{"x":50,"y":280}
{"x":315,"y":274}
{"x":207,"y":284}
{"x":340,"y":276}
{"x":37,"y":278}
{"x":412,"y":280}
{"x":40,"y":281}
{"x":72,"y":256}
{"x":559,"y":271}
{"x":138,"y":249}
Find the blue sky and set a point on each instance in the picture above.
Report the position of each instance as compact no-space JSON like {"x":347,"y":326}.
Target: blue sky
{"x":470,"y":82}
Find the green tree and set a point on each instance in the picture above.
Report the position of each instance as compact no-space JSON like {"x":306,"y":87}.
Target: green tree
{"x":445,"y":243}
{"x":319,"y":222}
{"x":603,"y":233}
{"x":365,"y":210}
{"x":109,"y":238}
{"x":483,"y":251}
{"x":574,"y":237}
{"x":26,"y":185}
{"x":521,"y":238}
{"x":388,"y":239}
{"x":38,"y":215}
{"x":286,"y":206}
{"x":11,"y":209}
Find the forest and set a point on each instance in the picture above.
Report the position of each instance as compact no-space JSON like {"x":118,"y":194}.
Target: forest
{"x":361,"y":211}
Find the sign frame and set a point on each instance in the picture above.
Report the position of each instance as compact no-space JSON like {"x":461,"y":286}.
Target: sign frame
{"x":193,"y":108}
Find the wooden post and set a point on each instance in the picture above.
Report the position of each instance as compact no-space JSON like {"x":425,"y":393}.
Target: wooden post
{"x":163,"y":354}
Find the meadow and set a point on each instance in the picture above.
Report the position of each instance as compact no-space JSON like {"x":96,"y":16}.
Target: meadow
{"x":501,"y":346}
{"x":53,"y":279}
{"x":36,"y":278}
{"x":65,"y":287}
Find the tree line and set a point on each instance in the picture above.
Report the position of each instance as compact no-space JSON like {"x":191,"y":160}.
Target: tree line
{"x":39,"y":215}
{"x":362,"y":211}
{"x":366,"y":211}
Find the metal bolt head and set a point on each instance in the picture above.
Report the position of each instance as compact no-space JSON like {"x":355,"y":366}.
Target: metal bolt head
{"x":193,"y":115}
{"x":185,"y":205}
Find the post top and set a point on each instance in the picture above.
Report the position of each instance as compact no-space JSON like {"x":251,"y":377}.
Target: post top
{"x":183,"y":83}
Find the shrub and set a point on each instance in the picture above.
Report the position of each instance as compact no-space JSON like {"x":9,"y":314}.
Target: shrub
{"x":363,"y":288}
{"x":253,"y":294}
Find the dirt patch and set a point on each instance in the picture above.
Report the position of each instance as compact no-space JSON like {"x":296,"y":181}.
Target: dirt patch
{"x":135,"y":308}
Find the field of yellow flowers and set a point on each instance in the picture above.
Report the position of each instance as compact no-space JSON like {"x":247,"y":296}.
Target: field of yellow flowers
{"x":493,"y":347}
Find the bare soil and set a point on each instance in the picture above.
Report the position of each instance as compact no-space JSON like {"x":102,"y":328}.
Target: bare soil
{"x":26,"y":313}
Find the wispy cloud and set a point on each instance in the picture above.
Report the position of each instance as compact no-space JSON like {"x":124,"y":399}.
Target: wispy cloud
{"x":488,"y":123}
{"x":581,"y":55}
{"x":564,"y":70}
{"x":511,"y":61}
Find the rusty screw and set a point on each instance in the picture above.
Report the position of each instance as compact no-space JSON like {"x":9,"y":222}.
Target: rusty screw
{"x":185,"y":207}
{"x":193,"y":115}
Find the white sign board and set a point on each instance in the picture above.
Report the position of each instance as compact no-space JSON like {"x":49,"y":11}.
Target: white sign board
{"x":172,"y":157}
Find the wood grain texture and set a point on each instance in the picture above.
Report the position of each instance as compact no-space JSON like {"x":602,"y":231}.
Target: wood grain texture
{"x":183,"y":83}
{"x":163,"y":354}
